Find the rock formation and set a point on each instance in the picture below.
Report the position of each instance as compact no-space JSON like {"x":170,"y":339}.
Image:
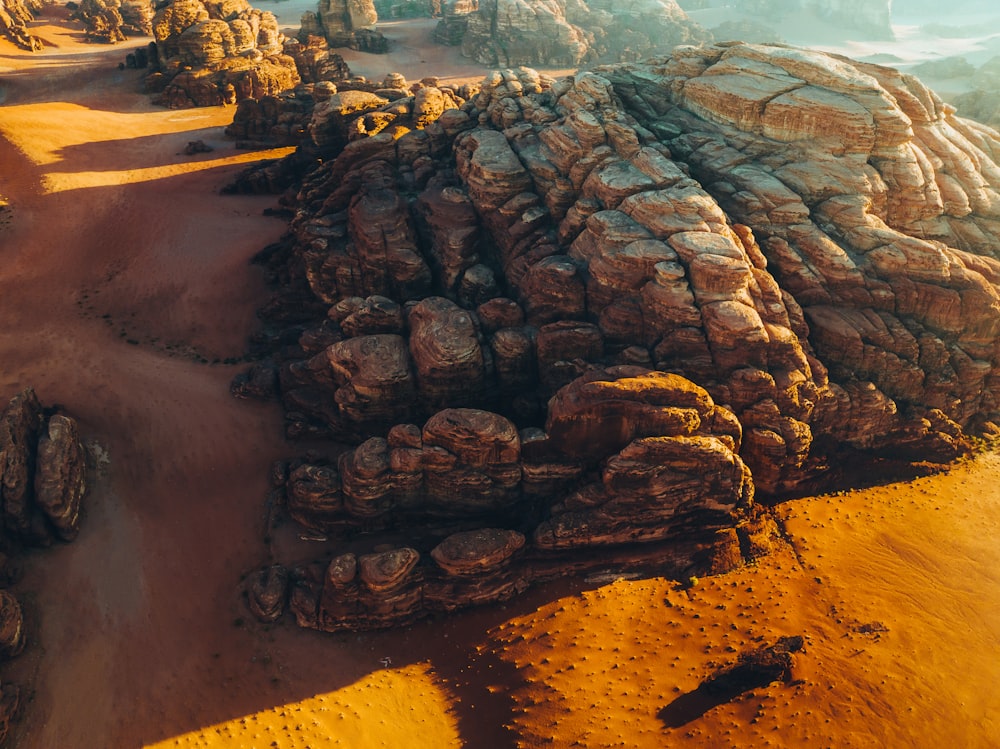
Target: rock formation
{"x":43,"y":480}
{"x":599,"y":312}
{"x":214,"y":53}
{"x":15,"y":15}
{"x":113,"y":21}
{"x":559,"y":33}
{"x":345,"y":23}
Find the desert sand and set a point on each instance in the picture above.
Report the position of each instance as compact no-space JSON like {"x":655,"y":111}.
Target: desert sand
{"x":125,"y":288}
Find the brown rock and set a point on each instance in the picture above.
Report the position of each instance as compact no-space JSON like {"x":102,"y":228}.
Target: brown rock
{"x":61,"y":476}
{"x":478,"y":551}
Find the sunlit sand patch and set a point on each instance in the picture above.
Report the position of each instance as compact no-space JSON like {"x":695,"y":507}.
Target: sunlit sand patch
{"x":404,"y":707}
{"x":57,"y":181}
{"x":895,"y":589}
{"x":46,"y":141}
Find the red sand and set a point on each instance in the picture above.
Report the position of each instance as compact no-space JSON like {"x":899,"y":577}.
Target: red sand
{"x":138,"y":634}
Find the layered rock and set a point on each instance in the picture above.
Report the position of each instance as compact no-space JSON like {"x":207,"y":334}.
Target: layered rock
{"x":207,"y":54}
{"x":644,"y":484}
{"x":559,"y":33}
{"x":724,"y":269}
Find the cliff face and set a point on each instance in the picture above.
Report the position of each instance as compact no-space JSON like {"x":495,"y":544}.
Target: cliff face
{"x":548,"y":312}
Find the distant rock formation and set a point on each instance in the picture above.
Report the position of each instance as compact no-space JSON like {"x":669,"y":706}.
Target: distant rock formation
{"x":43,"y":480}
{"x":345,"y":23}
{"x":982,"y":103}
{"x":219,"y":52}
{"x":113,"y":21}
{"x":566,"y":33}
{"x":15,"y":15}
{"x":546,"y":313}
{"x":871,"y":16}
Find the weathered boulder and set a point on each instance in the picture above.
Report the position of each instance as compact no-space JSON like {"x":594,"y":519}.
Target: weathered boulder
{"x":61,"y":476}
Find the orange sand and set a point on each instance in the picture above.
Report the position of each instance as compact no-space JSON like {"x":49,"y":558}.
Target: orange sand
{"x":123,"y":286}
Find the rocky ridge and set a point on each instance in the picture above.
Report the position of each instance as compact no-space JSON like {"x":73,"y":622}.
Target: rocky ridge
{"x":546,"y":312}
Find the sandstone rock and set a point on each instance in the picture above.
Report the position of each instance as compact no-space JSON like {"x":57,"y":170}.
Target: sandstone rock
{"x":20,"y":425}
{"x":15,"y":15}
{"x":267,"y":593}
{"x":217,"y":53}
{"x":477,"y":551}
{"x":61,"y":476}
{"x":709,"y":277}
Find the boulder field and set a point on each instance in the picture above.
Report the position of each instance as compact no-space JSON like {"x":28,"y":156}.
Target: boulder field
{"x":590,"y":322}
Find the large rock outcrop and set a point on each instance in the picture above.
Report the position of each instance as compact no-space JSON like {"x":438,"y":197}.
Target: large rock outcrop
{"x":213,"y":53}
{"x":567,"y":33}
{"x":551,"y":310}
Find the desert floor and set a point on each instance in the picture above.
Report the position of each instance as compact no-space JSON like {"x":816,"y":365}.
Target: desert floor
{"x":124,"y":287}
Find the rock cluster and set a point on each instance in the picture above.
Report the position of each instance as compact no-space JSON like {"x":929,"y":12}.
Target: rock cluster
{"x":217,"y":52}
{"x":43,"y":479}
{"x":113,"y":21}
{"x":322,"y":117}
{"x":558,"y":33}
{"x":15,"y":15}
{"x":345,"y":23}
{"x":601,"y":311}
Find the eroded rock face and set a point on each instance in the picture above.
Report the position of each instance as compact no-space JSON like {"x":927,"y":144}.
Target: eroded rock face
{"x":556,"y":33}
{"x":207,"y":54}
{"x":675,"y":282}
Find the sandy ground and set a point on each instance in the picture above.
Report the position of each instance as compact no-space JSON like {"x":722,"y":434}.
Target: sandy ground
{"x":124,"y":287}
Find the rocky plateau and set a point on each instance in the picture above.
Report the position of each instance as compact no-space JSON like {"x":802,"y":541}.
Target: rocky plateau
{"x":598,"y":322}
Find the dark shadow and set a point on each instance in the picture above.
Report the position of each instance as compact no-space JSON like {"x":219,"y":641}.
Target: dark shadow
{"x":754,"y":669}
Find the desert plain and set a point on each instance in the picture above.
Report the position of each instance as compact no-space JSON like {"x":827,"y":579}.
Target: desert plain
{"x":127,"y":295}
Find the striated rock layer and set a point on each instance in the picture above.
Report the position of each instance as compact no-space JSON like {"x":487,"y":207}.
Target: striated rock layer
{"x":600,"y":312}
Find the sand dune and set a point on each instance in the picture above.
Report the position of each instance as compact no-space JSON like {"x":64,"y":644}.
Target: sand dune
{"x":124,"y":288}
